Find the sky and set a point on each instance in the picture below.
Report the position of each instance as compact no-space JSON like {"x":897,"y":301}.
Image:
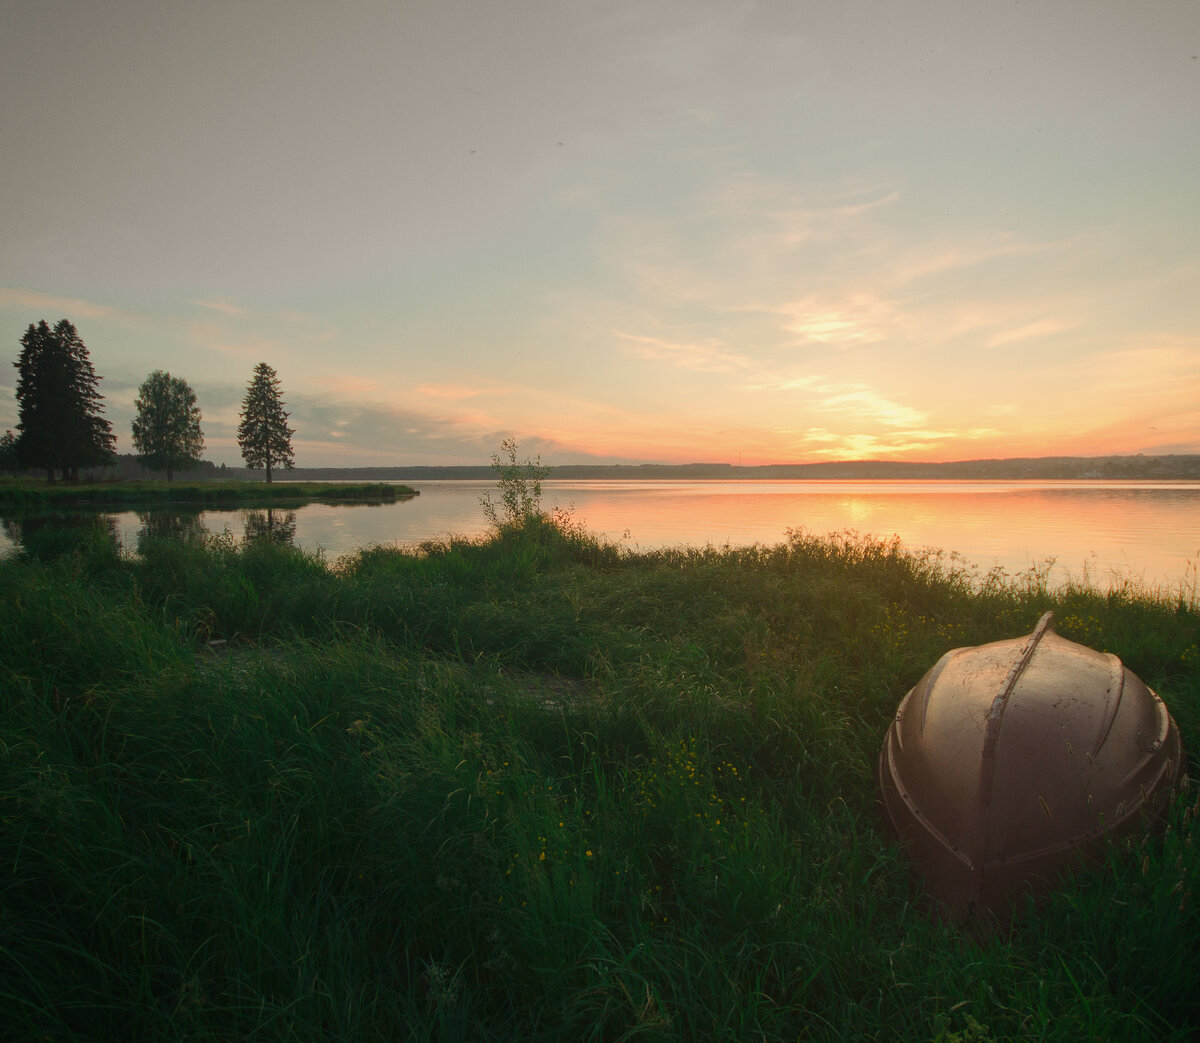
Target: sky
{"x":618,"y":230}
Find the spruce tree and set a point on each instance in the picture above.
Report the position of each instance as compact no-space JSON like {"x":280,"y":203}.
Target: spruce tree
{"x":263,"y":434}
{"x":59,"y":403}
{"x":166,"y":430}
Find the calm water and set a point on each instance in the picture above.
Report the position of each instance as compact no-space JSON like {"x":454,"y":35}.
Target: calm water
{"x":1107,"y":531}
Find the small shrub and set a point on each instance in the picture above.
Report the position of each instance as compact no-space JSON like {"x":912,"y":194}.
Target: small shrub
{"x":520,"y":487}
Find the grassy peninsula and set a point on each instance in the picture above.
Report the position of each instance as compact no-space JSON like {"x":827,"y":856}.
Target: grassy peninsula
{"x":534,"y":787}
{"x":36,"y":492}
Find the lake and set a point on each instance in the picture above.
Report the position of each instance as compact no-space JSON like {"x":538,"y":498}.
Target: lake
{"x":1107,"y":532}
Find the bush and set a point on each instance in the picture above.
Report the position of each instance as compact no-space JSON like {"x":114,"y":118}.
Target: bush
{"x":520,"y":488}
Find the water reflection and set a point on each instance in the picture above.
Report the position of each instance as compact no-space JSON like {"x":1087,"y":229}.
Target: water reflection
{"x":47,"y":535}
{"x":1106,"y":532}
{"x":185,"y":526}
{"x":271,"y":524}
{"x":266,"y":524}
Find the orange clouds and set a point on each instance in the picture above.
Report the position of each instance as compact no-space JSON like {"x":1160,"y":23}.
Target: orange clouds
{"x":49,"y":305}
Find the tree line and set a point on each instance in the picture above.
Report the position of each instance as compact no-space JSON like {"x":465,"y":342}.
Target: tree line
{"x":61,"y":427}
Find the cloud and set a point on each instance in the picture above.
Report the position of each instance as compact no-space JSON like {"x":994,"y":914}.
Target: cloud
{"x":835,"y":445}
{"x":216,"y":337}
{"x":345,"y":384}
{"x":873,"y":407}
{"x":357,"y":432}
{"x":739,"y":241}
{"x":770,"y":202}
{"x":222,"y":307}
{"x":866,"y":404}
{"x":1168,"y":366}
{"x":34,"y":300}
{"x":307,"y":343}
{"x":755,"y":260}
{"x":450,"y":392}
{"x":858,"y":318}
{"x":1041,"y":328}
{"x":707,"y":358}
{"x":837,"y":223}
{"x":958,"y":251}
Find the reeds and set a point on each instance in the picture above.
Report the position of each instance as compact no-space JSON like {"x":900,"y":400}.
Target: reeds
{"x":530,"y":788}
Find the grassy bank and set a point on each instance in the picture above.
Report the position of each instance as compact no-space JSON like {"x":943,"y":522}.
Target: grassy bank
{"x":36,"y":492}
{"x":531,"y":788}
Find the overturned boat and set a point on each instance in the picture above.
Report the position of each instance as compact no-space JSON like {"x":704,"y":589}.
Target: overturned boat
{"x":1009,"y":763}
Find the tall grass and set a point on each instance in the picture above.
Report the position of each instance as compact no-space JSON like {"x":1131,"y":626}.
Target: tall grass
{"x":531,"y":788}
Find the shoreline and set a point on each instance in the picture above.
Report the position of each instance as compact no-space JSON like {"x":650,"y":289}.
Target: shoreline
{"x":33,"y":493}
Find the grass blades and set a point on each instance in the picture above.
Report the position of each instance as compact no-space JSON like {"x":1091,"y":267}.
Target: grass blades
{"x":532,"y":788}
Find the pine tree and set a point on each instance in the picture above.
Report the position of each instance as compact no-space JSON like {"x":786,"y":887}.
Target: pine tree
{"x":166,"y":430}
{"x":263,"y":434}
{"x":59,"y":403}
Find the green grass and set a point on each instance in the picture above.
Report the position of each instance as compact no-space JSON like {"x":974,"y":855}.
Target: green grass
{"x":36,"y":492}
{"x":532,"y":788}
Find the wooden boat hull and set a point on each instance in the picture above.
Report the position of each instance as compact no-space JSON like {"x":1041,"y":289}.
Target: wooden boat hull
{"x":1009,"y":763}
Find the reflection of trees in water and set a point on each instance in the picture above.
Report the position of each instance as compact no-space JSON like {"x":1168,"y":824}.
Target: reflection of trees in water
{"x":51,"y":534}
{"x":170,"y":525}
{"x":272,"y":524}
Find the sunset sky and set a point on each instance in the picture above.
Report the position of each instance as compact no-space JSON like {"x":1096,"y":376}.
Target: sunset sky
{"x":619,"y":230}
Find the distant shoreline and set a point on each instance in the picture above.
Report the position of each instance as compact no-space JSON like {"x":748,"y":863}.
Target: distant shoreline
{"x":1174,"y":467}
